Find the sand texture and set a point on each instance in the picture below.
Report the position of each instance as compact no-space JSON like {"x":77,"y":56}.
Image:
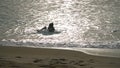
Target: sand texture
{"x":22,"y":57}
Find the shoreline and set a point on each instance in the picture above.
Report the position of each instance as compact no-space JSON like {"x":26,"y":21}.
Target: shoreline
{"x":93,"y":51}
{"x":26,"y":57}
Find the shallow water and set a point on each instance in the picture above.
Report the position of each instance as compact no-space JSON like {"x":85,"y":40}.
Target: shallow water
{"x":81,"y":23}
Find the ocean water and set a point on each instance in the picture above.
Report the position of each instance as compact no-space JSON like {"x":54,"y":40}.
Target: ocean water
{"x":80,"y":23}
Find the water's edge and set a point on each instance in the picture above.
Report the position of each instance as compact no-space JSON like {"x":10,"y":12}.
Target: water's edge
{"x":90,"y":51}
{"x":94,"y":51}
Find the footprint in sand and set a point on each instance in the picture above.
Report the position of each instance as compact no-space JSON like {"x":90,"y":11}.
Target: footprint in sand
{"x":18,"y":57}
{"x":37,"y":60}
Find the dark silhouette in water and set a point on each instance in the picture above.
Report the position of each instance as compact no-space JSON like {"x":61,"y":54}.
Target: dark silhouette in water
{"x":48,"y":31}
{"x":41,"y":30}
{"x":51,"y":27}
{"x":44,"y":28}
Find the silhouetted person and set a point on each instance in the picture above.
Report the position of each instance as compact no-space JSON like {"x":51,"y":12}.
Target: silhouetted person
{"x":44,"y":28}
{"x":51,"y":27}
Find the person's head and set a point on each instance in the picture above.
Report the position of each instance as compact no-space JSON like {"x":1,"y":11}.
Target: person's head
{"x":51,"y":25}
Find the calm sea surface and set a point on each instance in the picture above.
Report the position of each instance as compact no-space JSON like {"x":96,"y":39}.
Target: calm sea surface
{"x":80,"y":23}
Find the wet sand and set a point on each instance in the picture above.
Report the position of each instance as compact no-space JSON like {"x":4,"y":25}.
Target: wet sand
{"x":23,"y":57}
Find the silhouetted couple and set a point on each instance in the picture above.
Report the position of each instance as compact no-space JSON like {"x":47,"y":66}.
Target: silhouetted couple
{"x":49,"y":29}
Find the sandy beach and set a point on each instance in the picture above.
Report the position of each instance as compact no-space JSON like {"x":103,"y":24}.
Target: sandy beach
{"x":23,"y":57}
